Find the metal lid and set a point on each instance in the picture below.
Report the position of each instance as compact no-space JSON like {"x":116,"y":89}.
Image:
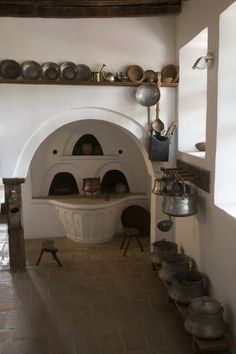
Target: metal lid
{"x":188,"y":277}
{"x":164,"y":244}
{"x":176,"y":258}
{"x":206,"y":306}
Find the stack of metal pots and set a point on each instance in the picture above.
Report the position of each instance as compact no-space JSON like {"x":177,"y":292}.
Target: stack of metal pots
{"x":173,"y":264}
{"x":162,"y":249}
{"x":205,"y":318}
{"x":187,"y":286}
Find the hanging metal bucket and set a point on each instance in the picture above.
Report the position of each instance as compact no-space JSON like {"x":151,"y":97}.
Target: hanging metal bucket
{"x":180,"y":205}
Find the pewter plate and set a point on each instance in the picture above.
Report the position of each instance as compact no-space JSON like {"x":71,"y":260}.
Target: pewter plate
{"x":10,"y":69}
{"x":31,"y":70}
{"x":68,"y":70}
{"x":83,"y":73}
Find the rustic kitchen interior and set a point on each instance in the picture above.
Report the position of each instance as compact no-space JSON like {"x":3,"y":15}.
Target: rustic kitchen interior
{"x":105,"y":107}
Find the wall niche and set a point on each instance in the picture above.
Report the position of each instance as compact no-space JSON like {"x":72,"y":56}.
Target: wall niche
{"x":87,"y":145}
{"x":115,"y":181}
{"x":63,"y":183}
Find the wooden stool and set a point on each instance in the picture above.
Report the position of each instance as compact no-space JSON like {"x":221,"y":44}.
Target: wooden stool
{"x":48,"y":246}
{"x":130,"y":232}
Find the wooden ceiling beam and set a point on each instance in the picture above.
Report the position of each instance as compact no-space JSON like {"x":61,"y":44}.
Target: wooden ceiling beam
{"x":75,"y":11}
{"x":90,"y":2}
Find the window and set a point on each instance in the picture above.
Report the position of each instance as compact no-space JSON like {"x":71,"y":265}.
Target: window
{"x":225,"y":191}
{"x":192,"y":96}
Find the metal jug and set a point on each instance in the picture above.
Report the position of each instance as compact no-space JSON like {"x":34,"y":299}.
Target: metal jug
{"x":108,"y":76}
{"x":159,"y":185}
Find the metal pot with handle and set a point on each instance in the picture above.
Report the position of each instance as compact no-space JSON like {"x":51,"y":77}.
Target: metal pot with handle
{"x":180,"y":205}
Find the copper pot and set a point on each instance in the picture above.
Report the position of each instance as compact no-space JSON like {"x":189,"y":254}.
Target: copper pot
{"x":91,"y":185}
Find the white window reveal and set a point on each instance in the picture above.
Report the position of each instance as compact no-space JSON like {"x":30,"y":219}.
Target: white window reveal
{"x":225,"y":177}
{"x":193,"y":96}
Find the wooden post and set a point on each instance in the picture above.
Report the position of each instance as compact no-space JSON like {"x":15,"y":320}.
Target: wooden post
{"x":15,"y":228}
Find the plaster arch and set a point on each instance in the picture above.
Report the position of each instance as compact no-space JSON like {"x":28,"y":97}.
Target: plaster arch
{"x":131,"y":127}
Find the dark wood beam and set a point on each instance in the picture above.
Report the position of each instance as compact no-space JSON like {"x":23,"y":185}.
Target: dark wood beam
{"x":90,"y":3}
{"x":15,"y":230}
{"x":48,"y":9}
{"x":202,"y":177}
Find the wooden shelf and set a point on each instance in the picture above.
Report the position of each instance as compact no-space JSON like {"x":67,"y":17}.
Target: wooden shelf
{"x":86,"y":157}
{"x":79,"y":83}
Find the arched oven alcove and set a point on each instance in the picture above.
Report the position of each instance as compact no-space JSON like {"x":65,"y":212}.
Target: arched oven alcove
{"x":86,"y":219}
{"x":63,"y":183}
{"x":114,"y":181}
{"x":87,"y":145}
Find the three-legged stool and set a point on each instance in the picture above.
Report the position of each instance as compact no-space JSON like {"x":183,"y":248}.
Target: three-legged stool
{"x":48,"y":246}
{"x":130,"y":232}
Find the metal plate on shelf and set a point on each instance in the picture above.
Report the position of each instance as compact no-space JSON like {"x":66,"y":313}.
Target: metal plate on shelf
{"x":84,"y":73}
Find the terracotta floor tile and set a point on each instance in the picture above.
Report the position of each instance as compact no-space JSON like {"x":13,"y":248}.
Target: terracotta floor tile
{"x":134,"y":338}
{"x":99,"y":302}
{"x":111,"y":343}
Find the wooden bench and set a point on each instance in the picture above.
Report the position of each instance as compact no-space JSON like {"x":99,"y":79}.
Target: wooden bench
{"x":221,"y":345}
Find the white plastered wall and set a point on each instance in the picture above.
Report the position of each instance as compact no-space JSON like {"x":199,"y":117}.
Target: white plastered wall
{"x":209,"y":237}
{"x":28,"y":113}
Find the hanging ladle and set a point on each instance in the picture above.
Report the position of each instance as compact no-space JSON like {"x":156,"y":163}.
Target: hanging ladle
{"x":157,"y":124}
{"x":165,"y":225}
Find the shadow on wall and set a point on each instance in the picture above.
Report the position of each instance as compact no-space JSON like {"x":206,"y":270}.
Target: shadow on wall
{"x":201,"y":206}
{"x":229,"y":315}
